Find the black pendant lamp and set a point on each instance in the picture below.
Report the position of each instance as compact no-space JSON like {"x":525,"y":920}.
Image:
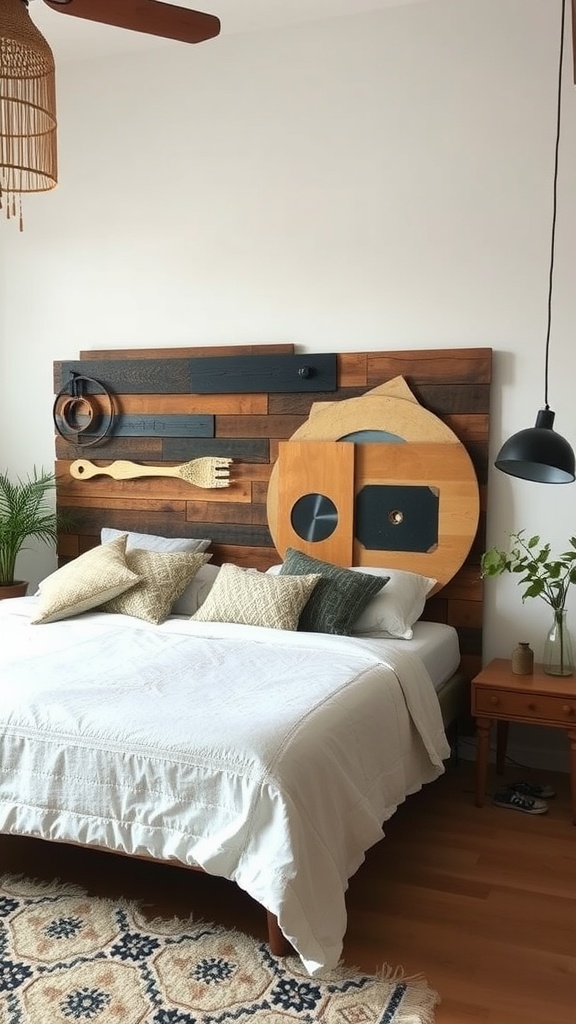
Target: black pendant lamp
{"x":539,"y":453}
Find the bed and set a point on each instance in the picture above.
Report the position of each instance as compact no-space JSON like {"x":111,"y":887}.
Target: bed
{"x":269,"y":754}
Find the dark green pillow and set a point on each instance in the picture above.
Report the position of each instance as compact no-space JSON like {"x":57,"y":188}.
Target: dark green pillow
{"x":338,"y":598}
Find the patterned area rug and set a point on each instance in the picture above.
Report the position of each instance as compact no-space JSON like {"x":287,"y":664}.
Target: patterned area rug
{"x":70,"y":958}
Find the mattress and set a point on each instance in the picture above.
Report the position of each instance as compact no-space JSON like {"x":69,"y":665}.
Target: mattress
{"x":437,"y":645}
{"x":269,"y":757}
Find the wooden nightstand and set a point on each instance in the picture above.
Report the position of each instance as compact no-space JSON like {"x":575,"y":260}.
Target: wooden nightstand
{"x":500,"y":696}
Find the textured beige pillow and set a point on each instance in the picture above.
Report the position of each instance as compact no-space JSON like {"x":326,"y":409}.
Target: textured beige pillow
{"x":85,"y":583}
{"x":163,"y":577}
{"x":255,"y":599}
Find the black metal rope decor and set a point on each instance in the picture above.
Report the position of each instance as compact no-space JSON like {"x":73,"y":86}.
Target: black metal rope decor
{"x":77,"y":417}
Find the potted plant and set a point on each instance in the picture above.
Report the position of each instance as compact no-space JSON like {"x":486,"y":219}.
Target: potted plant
{"x":24,"y":512}
{"x":546,"y":577}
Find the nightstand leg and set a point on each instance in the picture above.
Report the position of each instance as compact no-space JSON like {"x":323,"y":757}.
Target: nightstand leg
{"x":501,"y":746}
{"x":572,"y":738}
{"x":482,"y":746}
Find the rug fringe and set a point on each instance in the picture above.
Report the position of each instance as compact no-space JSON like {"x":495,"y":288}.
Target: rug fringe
{"x":25,"y":886}
{"x":419,"y":1001}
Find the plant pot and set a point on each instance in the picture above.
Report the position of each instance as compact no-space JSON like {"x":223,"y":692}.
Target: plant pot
{"x":16,"y":589}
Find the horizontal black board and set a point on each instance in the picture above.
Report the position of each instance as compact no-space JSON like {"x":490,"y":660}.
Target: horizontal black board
{"x":128,"y":376}
{"x":203,"y":375}
{"x":252,"y":374}
{"x":158,"y":425}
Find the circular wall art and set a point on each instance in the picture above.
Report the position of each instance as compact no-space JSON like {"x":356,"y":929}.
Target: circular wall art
{"x":407,"y":499}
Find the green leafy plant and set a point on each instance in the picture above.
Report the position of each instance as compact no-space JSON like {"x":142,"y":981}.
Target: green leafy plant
{"x":542,"y":575}
{"x":25,"y":512}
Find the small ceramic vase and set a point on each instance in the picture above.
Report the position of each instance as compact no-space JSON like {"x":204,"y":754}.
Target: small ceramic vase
{"x":522,"y":660}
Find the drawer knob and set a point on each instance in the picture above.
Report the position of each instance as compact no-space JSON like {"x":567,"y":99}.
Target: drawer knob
{"x":568,"y":709}
{"x":531,"y":706}
{"x":494,"y":700}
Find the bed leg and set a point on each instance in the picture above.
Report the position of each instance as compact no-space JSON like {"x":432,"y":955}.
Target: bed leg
{"x":277,"y":941}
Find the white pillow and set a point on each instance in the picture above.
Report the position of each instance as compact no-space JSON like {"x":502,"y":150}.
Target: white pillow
{"x":149,"y":542}
{"x":394,"y":609}
{"x":197,"y":591}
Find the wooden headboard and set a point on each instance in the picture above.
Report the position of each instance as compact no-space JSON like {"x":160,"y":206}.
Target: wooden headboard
{"x":218,"y":403}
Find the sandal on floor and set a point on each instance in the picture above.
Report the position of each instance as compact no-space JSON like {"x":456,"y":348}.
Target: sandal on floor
{"x":518,"y":802}
{"x":532,"y":789}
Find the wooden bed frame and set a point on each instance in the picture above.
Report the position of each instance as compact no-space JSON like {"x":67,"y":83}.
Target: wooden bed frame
{"x":247,"y":407}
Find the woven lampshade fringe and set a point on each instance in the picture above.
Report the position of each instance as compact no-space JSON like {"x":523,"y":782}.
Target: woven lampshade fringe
{"x":28,"y":157}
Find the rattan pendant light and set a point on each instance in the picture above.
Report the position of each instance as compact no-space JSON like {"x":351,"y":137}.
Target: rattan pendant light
{"x":28,"y":161}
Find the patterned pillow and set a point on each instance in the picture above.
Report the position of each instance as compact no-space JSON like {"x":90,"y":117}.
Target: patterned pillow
{"x":85,"y":583}
{"x":339,"y":598}
{"x":163,"y":577}
{"x":254,"y":599}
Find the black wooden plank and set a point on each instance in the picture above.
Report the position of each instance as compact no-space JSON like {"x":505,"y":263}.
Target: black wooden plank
{"x":253,"y":374}
{"x":137,"y":449}
{"x":250,"y":449}
{"x":159,"y":425}
{"x":128,"y":376}
{"x":229,"y":533}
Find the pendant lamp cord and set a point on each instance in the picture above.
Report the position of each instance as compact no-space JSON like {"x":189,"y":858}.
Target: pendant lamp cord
{"x":554,"y":201}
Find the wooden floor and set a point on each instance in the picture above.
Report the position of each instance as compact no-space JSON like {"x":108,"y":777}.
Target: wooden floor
{"x":482,"y":902}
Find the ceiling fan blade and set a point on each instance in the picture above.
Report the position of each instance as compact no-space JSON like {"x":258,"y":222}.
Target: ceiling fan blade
{"x":149,"y":16}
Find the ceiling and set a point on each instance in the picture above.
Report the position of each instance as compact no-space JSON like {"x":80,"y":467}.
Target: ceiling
{"x":76,"y":39}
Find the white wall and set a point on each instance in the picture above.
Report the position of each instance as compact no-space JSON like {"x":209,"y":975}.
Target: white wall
{"x":382,"y":181}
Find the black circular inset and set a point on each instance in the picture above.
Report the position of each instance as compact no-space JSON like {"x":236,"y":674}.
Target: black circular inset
{"x":314,"y":517}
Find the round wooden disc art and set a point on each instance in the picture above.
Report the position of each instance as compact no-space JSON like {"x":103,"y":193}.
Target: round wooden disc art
{"x":376,"y":481}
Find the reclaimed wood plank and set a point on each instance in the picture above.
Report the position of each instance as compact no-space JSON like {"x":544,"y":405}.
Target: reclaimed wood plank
{"x":259,"y":557}
{"x":248,"y":512}
{"x":258,"y":426}
{"x":187,"y":352}
{"x":233,"y":405}
{"x":242,"y":449}
{"x":353,"y":370}
{"x":428,"y":366}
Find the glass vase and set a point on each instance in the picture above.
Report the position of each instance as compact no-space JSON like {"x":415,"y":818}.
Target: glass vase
{"x":558,"y":657}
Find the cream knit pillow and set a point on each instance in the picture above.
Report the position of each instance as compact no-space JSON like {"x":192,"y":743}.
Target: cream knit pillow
{"x":163,"y":578}
{"x":86,"y":582}
{"x":255,"y":599}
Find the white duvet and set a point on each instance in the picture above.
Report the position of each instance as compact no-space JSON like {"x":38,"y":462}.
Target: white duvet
{"x":268,"y":757}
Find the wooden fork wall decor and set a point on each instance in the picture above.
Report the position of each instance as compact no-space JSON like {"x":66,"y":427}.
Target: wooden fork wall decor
{"x":205,"y":472}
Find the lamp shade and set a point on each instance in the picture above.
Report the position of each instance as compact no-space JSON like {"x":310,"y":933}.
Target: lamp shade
{"x":538,"y":453}
{"x":27,"y":104}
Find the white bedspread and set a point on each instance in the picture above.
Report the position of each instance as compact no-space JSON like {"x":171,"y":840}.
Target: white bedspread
{"x":269,"y":757}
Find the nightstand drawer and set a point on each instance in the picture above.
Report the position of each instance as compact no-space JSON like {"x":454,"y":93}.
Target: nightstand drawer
{"x":540,"y":707}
